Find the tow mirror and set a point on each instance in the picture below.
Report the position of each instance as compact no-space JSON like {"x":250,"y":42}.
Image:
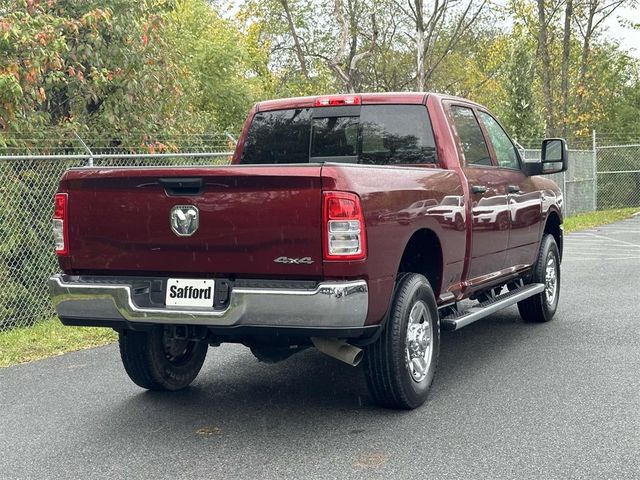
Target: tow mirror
{"x":555,"y":155}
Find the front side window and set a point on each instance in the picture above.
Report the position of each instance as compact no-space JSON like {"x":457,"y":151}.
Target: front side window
{"x":471,"y":138}
{"x":376,"y":134}
{"x":505,"y":150}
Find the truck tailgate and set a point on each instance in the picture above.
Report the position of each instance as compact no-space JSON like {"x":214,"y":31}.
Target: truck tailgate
{"x":249,"y":217}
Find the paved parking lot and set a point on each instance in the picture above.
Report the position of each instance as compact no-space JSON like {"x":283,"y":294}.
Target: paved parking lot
{"x":511,"y":400}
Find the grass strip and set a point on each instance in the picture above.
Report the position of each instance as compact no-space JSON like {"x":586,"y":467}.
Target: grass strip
{"x":584,"y":221}
{"x":48,"y":338}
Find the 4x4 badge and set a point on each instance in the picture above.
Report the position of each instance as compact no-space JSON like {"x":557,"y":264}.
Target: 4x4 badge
{"x":294,"y":261}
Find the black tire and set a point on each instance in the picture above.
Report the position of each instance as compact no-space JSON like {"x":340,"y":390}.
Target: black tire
{"x":155,"y":364}
{"x":386,"y":362}
{"x":539,"y":308}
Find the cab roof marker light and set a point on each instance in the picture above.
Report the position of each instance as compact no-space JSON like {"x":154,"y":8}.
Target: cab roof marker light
{"x":337,"y":100}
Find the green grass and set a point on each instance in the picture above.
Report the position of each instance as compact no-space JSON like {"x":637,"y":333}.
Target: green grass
{"x":47,"y":339}
{"x":583,"y":221}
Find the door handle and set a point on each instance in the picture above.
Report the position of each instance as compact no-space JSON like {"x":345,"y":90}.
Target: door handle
{"x":513,"y":188}
{"x":478,"y":189}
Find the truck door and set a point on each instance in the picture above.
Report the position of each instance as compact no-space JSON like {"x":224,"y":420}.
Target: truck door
{"x":489,"y":201}
{"x":525,"y":199}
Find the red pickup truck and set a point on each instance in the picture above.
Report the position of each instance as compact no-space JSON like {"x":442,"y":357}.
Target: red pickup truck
{"x":358,"y":224}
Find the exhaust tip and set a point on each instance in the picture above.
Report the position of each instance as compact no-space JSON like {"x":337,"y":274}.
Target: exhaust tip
{"x":339,"y":349}
{"x":358,"y":358}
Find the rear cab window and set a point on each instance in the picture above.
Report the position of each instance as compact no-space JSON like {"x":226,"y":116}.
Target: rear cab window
{"x":367,"y":134}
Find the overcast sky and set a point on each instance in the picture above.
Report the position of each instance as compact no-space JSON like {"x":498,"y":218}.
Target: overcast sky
{"x":629,"y":39}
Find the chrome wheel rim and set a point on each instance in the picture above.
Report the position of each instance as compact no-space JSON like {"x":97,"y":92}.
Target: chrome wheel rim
{"x":419,"y":344}
{"x":551,"y":280}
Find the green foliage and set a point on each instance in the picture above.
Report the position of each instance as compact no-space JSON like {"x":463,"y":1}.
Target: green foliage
{"x":622,"y":108}
{"x":212,"y":56}
{"x":521,"y":113}
{"x":115,"y":67}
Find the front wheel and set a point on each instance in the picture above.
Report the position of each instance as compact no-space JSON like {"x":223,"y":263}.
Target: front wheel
{"x":542,"y":306}
{"x":400,"y":365}
{"x":157,"y":360}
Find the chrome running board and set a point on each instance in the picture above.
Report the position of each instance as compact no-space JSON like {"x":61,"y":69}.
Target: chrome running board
{"x":461,"y":319}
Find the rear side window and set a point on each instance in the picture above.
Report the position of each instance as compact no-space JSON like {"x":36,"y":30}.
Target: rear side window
{"x":396,"y":134}
{"x":377,"y":134}
{"x":281,"y":136}
{"x":471,"y":138}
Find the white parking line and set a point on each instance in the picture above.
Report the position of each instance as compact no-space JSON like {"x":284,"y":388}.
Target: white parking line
{"x":600,"y":245}
{"x":608,"y":246}
{"x":603,"y":254}
{"x":611,"y":239}
{"x":592,"y":248}
{"x":570,"y":258}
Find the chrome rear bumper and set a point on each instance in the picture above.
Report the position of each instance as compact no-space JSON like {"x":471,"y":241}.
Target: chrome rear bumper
{"x":330,"y":304}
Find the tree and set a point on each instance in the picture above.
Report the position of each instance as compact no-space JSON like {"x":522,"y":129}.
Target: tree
{"x":543,"y":49}
{"x":566,"y":54}
{"x":430,"y":25}
{"x":520,"y":114}
{"x":212,"y":58}
{"x":589,"y":18}
{"x":348,"y":54}
{"x":80,"y":66}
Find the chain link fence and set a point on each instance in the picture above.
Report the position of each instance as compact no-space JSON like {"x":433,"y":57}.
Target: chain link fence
{"x":600,"y":178}
{"x":618,"y":176}
{"x":29,"y":179}
{"x":607,"y":177}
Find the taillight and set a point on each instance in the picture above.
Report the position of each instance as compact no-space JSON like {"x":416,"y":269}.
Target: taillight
{"x":343,"y":227}
{"x":337,"y":100}
{"x":60,"y":236}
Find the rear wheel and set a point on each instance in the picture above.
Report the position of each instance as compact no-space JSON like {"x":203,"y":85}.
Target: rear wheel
{"x":157,"y":360}
{"x":542,"y":306}
{"x":400,"y":365}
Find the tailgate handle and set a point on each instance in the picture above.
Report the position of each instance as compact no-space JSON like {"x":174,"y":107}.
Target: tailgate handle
{"x":182,"y":186}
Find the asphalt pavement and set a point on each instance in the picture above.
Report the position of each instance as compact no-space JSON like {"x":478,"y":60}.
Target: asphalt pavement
{"x":510,"y":400}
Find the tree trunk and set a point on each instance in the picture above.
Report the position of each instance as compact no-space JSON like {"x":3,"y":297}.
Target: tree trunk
{"x":543,"y":48}
{"x":566,"y":52}
{"x":296,"y":40}
{"x":420,"y":46}
{"x":584,"y":58}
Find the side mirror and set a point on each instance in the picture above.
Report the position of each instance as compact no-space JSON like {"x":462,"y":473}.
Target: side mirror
{"x":555,"y":156}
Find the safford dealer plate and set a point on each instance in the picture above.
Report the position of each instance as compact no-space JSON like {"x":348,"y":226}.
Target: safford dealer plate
{"x":182,"y":292}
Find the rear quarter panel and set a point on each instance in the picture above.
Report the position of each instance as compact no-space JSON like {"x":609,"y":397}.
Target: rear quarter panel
{"x":397,"y":202}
